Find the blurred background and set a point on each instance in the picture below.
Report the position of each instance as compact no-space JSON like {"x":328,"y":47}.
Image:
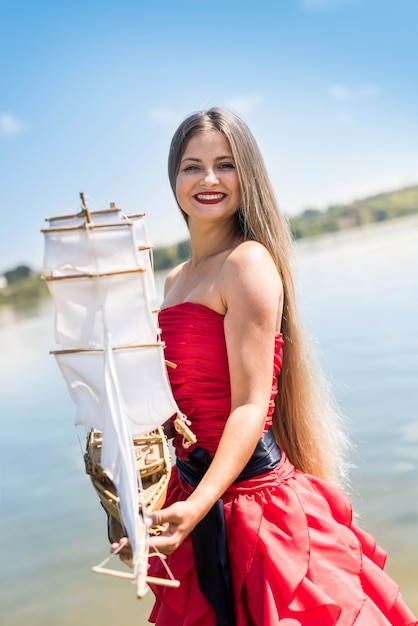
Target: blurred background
{"x":91,"y":92}
{"x":90,"y":95}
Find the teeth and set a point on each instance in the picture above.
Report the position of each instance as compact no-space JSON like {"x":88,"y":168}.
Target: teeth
{"x":210,"y":196}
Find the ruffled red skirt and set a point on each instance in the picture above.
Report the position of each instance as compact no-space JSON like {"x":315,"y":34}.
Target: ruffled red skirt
{"x":296,"y":559}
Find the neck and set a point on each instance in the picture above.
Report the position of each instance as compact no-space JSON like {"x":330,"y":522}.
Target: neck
{"x":211,"y":240}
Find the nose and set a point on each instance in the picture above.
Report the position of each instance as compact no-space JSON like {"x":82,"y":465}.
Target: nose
{"x":209,"y":177}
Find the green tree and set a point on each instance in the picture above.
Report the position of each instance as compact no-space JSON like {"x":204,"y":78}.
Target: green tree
{"x":20,"y":272}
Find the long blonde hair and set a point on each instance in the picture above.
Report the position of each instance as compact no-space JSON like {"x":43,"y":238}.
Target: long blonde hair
{"x":305,"y":422}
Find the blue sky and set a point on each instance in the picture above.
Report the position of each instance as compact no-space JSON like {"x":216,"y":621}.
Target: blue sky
{"x":91,"y":92}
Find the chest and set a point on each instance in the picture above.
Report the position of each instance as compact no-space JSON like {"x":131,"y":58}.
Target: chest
{"x":202,"y":285}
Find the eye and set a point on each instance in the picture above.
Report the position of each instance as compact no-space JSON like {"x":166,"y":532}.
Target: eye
{"x":226,"y":166}
{"x":190,"y":168}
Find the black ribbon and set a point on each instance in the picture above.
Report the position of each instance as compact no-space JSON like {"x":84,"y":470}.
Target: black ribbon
{"x":209,"y":536}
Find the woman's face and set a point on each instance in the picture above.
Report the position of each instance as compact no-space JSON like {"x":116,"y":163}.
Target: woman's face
{"x":207,"y":186}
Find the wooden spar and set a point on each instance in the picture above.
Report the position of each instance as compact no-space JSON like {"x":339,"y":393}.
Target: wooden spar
{"x":133,"y":216}
{"x":71,"y":216}
{"x":115,"y":348}
{"x":83,"y":202}
{"x":122,"y":224}
{"x":81,"y":214}
{"x":85,"y":209}
{"x":91,"y":226}
{"x":162,"y":582}
{"x":102,"y":275}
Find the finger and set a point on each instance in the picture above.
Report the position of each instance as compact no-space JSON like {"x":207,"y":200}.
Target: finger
{"x":121,"y":545}
{"x":161,"y":517}
{"x":162,"y":544}
{"x":158,"y":518}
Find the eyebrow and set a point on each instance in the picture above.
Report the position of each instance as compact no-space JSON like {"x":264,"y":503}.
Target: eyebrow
{"x":219,"y":158}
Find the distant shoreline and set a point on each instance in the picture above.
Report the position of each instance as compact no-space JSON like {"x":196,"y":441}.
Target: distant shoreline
{"x":311,"y":224}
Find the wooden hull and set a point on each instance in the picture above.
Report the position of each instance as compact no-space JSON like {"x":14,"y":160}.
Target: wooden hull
{"x":153,"y":461}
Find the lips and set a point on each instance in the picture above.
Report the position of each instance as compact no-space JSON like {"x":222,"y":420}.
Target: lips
{"x":210,"y":198}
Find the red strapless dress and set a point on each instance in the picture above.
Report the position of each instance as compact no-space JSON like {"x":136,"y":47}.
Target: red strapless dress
{"x":296,"y":557}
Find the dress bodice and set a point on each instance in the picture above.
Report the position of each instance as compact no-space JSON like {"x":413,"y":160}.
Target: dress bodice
{"x":295,"y":555}
{"x":195,"y":343}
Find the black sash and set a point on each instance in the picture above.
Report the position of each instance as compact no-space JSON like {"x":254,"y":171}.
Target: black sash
{"x":209,"y":536}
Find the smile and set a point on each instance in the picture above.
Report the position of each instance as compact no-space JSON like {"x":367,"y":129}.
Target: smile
{"x":210,"y":198}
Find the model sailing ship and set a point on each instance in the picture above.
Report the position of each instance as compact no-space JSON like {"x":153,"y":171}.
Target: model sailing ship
{"x":98,"y":267}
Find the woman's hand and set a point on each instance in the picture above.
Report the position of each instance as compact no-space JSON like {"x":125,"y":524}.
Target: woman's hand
{"x":122,"y":546}
{"x":177,"y":521}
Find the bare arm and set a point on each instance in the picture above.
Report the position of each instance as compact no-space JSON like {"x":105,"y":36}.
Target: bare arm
{"x":252,"y":293}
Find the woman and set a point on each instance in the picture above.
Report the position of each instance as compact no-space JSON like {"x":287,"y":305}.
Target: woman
{"x":254,"y":541}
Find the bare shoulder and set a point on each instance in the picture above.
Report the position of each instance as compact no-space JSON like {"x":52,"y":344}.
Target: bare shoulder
{"x":248,"y":252}
{"x":249,"y":275}
{"x":248,"y":260}
{"x":172,"y":277}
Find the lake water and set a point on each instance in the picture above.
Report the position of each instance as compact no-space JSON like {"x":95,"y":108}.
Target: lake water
{"x":359,"y":294}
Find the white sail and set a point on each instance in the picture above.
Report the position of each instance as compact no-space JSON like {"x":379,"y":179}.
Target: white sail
{"x":76,"y":246}
{"x":119,"y":460}
{"x":143,"y":245}
{"x":90,"y":250}
{"x":141,"y":234}
{"x":142,"y":383}
{"x":86,"y":305}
